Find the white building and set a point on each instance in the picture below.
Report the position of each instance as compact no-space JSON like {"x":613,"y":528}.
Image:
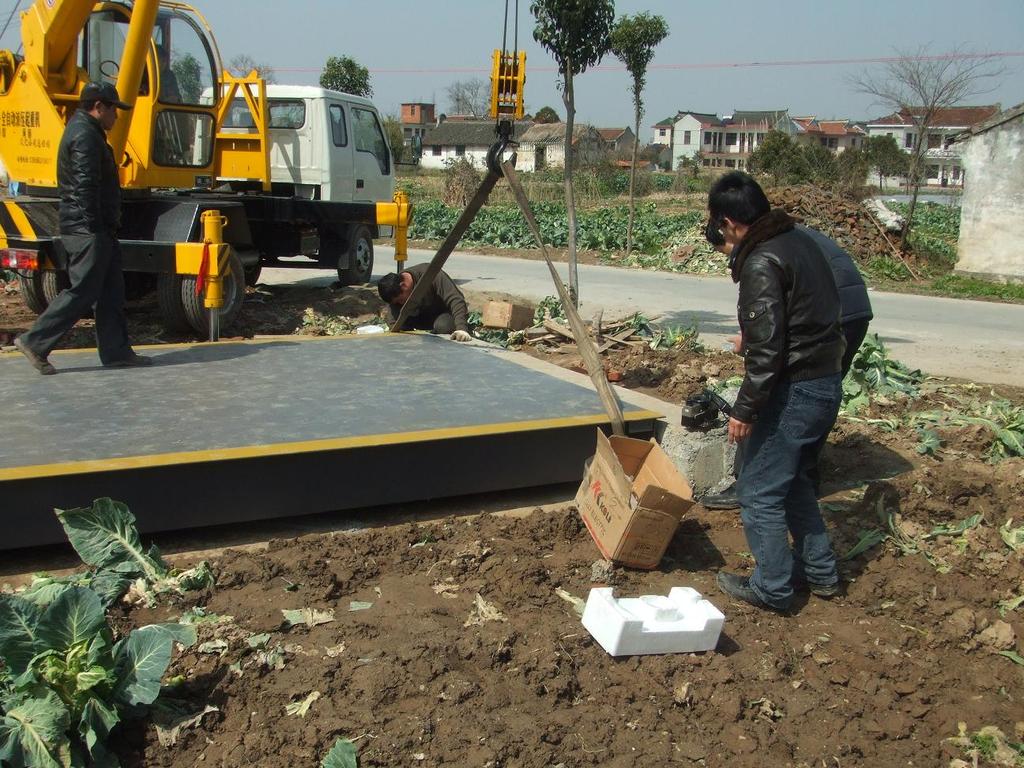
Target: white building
{"x":943,"y":163}
{"x":543,"y":146}
{"x":992,"y":206}
{"x":457,"y":139}
{"x":693,"y":132}
{"x":835,"y":135}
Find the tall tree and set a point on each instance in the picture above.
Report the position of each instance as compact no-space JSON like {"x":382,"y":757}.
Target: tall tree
{"x":469,"y":97}
{"x":852,"y":167}
{"x":243,"y":64}
{"x":633,"y":41}
{"x":345,"y":74}
{"x":577,"y":34}
{"x":546,"y":115}
{"x":918,"y":86}
{"x":396,"y":137}
{"x":886,"y":158}
{"x":779,"y":157}
{"x":819,"y":164}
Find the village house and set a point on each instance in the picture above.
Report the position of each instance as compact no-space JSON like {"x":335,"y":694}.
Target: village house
{"x":618,"y":141}
{"x":943,"y":162}
{"x":694,"y":132}
{"x":991,"y":222}
{"x":835,"y":135}
{"x":543,"y":146}
{"x":452,"y":140}
{"x":661,"y":131}
{"x":723,"y":142}
{"x":727,"y":142}
{"x":416,"y":118}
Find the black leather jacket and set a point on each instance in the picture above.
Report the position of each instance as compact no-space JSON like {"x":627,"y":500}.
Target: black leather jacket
{"x":789,"y":316}
{"x":90,"y":192}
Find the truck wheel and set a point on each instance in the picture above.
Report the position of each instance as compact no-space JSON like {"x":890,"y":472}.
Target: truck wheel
{"x":252,"y":274}
{"x":360,"y":258}
{"x":38,"y":289}
{"x":181,"y":310}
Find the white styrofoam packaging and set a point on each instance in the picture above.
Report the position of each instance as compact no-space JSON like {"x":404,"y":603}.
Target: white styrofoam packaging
{"x":369,"y":329}
{"x":680,"y":622}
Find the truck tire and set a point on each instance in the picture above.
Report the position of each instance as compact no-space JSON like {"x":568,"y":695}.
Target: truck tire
{"x":252,"y":274}
{"x":38,"y":289}
{"x":360,"y":258}
{"x":181,"y":310}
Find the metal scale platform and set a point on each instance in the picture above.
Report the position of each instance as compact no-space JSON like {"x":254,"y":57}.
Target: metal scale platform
{"x":236,"y":431}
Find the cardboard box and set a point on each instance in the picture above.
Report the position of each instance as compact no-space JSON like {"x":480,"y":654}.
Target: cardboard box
{"x":634,"y":533}
{"x":505,"y":314}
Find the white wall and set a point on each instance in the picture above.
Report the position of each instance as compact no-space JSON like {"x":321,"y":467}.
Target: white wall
{"x":478,"y":155}
{"x":661,"y":134}
{"x":679,"y":145}
{"x":992,"y":207}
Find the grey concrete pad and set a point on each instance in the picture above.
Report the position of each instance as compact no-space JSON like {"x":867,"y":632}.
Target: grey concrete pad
{"x":235,"y":396}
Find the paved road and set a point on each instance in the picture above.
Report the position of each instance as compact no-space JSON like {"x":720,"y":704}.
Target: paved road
{"x":976,"y":340}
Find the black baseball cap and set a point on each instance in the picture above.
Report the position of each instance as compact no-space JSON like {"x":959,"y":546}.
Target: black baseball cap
{"x":102,"y":91}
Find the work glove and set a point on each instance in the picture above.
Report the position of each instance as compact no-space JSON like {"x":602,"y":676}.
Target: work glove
{"x":461,"y":336}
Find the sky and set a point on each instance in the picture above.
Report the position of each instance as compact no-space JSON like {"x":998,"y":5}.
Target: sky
{"x":415,"y":49}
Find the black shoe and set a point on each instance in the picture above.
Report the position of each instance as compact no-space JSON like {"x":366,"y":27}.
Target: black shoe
{"x":132,"y":361}
{"x":739,"y":587}
{"x":727,"y":499}
{"x":41,"y":364}
{"x":825,"y":591}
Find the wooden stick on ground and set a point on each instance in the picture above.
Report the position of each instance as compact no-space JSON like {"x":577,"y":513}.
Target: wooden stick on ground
{"x":583,"y":342}
{"x":896,"y":252}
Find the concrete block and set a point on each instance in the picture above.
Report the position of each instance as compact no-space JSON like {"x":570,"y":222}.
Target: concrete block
{"x":704,"y":458}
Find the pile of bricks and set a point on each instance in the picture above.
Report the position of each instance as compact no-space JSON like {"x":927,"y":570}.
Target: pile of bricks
{"x":847,"y":222}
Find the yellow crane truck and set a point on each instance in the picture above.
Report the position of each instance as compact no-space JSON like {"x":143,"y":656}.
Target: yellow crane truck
{"x":216,"y":174}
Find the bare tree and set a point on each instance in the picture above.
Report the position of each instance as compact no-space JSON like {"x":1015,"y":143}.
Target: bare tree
{"x":243,"y":64}
{"x":469,"y":97}
{"x":918,"y":86}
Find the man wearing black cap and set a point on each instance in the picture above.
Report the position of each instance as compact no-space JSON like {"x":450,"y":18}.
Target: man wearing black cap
{"x":90,"y":215}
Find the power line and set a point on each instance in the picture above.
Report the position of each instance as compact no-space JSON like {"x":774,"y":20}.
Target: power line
{"x":10,"y":16}
{"x":690,"y":65}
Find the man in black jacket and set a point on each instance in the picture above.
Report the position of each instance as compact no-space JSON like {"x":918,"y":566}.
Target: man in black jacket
{"x":90,"y":215}
{"x":441,"y":309}
{"x":793,"y":347}
{"x":855,"y":315}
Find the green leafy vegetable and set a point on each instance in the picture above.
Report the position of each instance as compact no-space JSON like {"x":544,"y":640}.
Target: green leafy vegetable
{"x":342,"y":755}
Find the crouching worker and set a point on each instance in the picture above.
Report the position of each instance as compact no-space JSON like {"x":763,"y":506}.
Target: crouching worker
{"x":793,"y":347}
{"x":442,"y":309}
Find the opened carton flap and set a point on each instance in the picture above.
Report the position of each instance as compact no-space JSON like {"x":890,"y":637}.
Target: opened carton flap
{"x":659,"y":470}
{"x":609,"y":456}
{"x":631,"y":452}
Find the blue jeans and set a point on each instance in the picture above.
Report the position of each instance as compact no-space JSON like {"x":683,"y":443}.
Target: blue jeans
{"x":776,"y":489}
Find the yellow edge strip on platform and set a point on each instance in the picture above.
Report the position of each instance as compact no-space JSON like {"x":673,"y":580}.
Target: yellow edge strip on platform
{"x":304,"y":446}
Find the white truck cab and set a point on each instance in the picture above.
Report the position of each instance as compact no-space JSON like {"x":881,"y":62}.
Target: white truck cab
{"x":327,"y":150}
{"x":325,"y":145}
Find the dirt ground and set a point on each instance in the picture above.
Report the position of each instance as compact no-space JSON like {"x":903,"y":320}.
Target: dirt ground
{"x":466,"y":655}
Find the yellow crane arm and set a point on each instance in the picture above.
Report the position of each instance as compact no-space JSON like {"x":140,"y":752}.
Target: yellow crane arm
{"x":49,"y":33}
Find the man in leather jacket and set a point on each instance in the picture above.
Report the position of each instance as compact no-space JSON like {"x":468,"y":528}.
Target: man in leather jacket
{"x":90,"y":215}
{"x":793,"y":347}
